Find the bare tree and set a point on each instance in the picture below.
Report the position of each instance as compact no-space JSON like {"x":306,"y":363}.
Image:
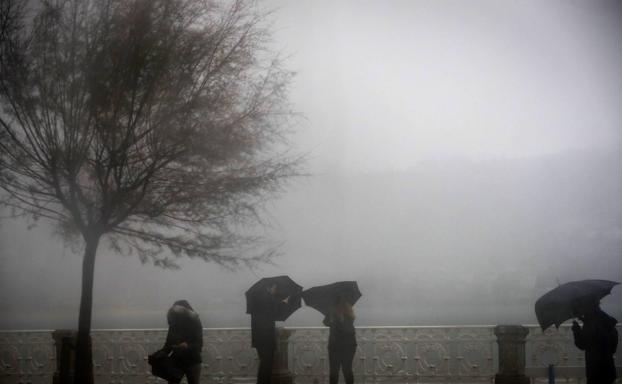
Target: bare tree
{"x":157,"y":125}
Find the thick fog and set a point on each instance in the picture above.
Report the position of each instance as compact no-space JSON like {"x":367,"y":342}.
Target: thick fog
{"x":463,"y":159}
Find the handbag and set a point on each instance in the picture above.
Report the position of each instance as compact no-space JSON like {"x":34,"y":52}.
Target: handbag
{"x":163,"y":366}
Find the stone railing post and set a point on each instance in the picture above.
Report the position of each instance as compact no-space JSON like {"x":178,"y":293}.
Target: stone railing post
{"x":511,"y":341}
{"x":65,"y":343}
{"x":280,"y":369}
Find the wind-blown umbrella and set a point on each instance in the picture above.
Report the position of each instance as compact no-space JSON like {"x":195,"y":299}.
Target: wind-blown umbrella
{"x":323,"y":297}
{"x":556,"y":306}
{"x":285,"y":287}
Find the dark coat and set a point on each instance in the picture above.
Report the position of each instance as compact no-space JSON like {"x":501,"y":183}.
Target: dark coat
{"x":599,"y":339}
{"x":263,"y":328}
{"x":184,"y":326}
{"x":341,"y":332}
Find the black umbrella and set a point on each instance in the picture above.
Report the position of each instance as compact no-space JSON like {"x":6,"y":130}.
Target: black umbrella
{"x":556,"y":306}
{"x":285,"y":287}
{"x":323,"y":297}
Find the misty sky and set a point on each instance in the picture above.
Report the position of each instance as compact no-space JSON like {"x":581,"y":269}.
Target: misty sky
{"x":463,"y":160}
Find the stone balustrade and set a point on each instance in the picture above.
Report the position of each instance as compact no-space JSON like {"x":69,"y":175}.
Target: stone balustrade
{"x":464,"y":354}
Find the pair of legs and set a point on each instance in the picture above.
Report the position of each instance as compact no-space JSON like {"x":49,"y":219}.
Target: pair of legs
{"x":266,"y":359}
{"x":193,"y":374}
{"x":341,"y":358}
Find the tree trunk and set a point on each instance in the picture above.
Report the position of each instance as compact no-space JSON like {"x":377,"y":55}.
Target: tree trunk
{"x":84,"y":355}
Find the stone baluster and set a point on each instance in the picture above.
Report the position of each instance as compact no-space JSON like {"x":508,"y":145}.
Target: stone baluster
{"x":280,"y":369}
{"x":65,"y":343}
{"x":511,"y":341}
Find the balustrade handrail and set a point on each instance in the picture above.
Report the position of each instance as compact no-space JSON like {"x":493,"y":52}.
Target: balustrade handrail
{"x":400,"y":353}
{"x":248,"y":327}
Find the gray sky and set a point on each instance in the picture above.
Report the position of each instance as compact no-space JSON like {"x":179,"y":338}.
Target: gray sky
{"x":464,"y":158}
{"x":386,"y":84}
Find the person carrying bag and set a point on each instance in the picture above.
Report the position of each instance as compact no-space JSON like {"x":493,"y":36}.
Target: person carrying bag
{"x":181,"y":354}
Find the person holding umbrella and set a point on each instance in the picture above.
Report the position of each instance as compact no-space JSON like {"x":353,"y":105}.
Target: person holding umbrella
{"x":263,"y":332}
{"x":269,"y":300}
{"x":598,"y":337}
{"x":341,"y":340}
{"x":335,"y":302}
{"x":185,"y":340}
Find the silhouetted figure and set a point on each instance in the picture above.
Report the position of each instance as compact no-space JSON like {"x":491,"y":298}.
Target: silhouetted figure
{"x":341,"y":341}
{"x":598,"y":337}
{"x":263,"y":331}
{"x":185,"y":339}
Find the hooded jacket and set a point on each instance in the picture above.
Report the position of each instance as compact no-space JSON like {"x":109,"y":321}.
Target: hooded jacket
{"x":184,"y":325}
{"x":599,"y":339}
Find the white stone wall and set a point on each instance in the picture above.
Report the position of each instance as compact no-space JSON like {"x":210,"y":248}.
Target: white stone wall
{"x":385,"y":354}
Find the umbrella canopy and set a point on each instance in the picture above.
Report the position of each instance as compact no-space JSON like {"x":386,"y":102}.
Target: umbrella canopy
{"x":285,"y":287}
{"x":323,"y":297}
{"x":556,"y":306}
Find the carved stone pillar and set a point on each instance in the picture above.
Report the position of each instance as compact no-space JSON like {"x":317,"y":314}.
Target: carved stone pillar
{"x":511,"y":341}
{"x":65,"y":342}
{"x":280,"y":369}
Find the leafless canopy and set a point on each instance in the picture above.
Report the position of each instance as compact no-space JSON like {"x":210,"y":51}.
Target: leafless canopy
{"x":158,"y":123}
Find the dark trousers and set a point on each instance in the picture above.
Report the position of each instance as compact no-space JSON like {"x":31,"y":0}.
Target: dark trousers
{"x":193,"y":374}
{"x":266,"y":359}
{"x":341,"y":357}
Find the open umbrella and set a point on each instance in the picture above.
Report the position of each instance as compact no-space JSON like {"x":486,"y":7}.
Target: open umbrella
{"x":285,"y":287}
{"x":323,"y":297}
{"x":556,"y":306}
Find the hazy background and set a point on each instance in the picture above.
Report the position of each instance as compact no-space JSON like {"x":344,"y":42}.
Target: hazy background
{"x":464,"y":159}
